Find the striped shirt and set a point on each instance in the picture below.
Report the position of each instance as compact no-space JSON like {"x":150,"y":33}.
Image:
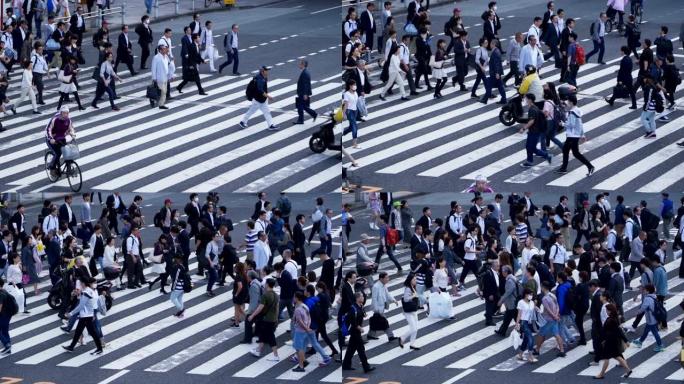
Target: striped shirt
{"x":521,"y":232}
{"x":251,"y":239}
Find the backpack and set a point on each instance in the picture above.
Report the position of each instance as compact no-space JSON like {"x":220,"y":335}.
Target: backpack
{"x":575,"y":221}
{"x":592,"y":28}
{"x":636,"y":228}
{"x":559,"y":116}
{"x":481,"y":274}
{"x":285,"y":207}
{"x":518,"y":293}
{"x":392,"y":236}
{"x":316,"y":312}
{"x":571,"y":300}
{"x":447,"y":28}
{"x":345,"y":325}
{"x":580,"y":54}
{"x":11,"y":304}
{"x":158,"y":220}
{"x":251,"y":90}
{"x":659,"y":311}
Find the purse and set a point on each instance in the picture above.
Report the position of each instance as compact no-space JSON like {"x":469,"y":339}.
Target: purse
{"x":25,"y":279}
{"x":410,"y":306}
{"x":157,"y":259}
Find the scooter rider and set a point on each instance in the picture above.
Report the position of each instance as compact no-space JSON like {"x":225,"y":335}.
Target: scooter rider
{"x":531,"y":84}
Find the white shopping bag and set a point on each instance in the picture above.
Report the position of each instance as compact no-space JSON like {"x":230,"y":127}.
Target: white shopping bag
{"x":18,"y":295}
{"x":515,"y":339}
{"x":440,"y":305}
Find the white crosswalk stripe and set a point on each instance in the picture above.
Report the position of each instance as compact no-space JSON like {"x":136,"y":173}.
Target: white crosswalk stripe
{"x":196,"y":144}
{"x":458,"y":138}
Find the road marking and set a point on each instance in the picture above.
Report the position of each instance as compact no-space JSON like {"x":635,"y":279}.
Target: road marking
{"x":114,"y":377}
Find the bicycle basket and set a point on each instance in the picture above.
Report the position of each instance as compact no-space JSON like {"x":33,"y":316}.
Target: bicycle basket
{"x":70,"y":152}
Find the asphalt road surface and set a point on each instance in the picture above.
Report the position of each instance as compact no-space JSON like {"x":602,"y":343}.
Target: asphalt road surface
{"x":442,"y":145}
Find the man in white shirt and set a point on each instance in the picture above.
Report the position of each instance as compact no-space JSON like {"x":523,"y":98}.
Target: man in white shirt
{"x":262,"y":252}
{"x":535,"y":29}
{"x":381,"y":299}
{"x":531,"y":54}
{"x":558,"y":256}
{"x":51,"y":221}
{"x":207,"y":39}
{"x":289,"y":264}
{"x":231,"y":47}
{"x":134,"y":259}
{"x":160,"y":74}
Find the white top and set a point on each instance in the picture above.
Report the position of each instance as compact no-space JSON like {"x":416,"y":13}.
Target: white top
{"x":235,"y":40}
{"x":14,"y":274}
{"x":558,"y":254}
{"x":404,"y":53}
{"x":534,"y":31}
{"x":456,"y":223}
{"x":527,"y":254}
{"x":160,"y":68}
{"x":349,"y":27}
{"x":350,"y":99}
{"x":291,"y":266}
{"x":441,"y":279}
{"x":39,"y":63}
{"x":470,"y":252}
{"x":212,"y":248}
{"x":261,"y":254}
{"x":108,"y":260}
{"x":394,"y":65}
{"x":132,"y":245}
{"x":26,"y":79}
{"x":529,"y":55}
{"x":526,"y":310}
{"x":50,"y":222}
{"x":207,"y":38}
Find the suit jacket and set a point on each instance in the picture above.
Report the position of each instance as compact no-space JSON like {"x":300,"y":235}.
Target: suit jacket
{"x":489,"y":286}
{"x":365,"y":24}
{"x":551,"y":36}
{"x":184,"y":242}
{"x":423,"y":50}
{"x":257,"y":208}
{"x":17,"y":39}
{"x":615,"y":288}
{"x":64,"y":216}
{"x":190,"y":71}
{"x":73,"y":22}
{"x":298,"y":236}
{"x":208,"y":217}
{"x":122,"y":50}
{"x":193,"y":25}
{"x":347,"y":293}
{"x":185,"y":43}
{"x":460,"y":51}
{"x":366,"y":89}
{"x":489,"y":29}
{"x":16,"y":219}
{"x":304,"y":83}
{"x":110,"y":204}
{"x":424,"y":222}
{"x":495,"y":65}
{"x":193,"y":213}
{"x":144,"y":34}
{"x":595,"y":307}
{"x":545,"y":21}
{"x":415,"y":242}
{"x":564,"y":40}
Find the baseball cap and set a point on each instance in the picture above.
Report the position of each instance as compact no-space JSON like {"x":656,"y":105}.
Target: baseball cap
{"x":265,"y":67}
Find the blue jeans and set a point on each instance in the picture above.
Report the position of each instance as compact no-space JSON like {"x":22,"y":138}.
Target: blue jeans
{"x":599,"y":46}
{"x":353,"y":128}
{"x":565,"y":323}
{"x":4,"y":331}
{"x":648,"y":121}
{"x":39,"y":25}
{"x":550,"y":136}
{"x":213,"y":276}
{"x":148,"y":5}
{"x":653,"y":328}
{"x":177,"y":298}
{"x":72,"y":321}
{"x":531,"y":146}
{"x":313,"y":340}
{"x":527,"y":339}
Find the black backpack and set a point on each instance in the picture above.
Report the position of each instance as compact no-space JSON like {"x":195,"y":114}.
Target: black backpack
{"x":591,"y":29}
{"x":316,"y":312}
{"x":11,"y":304}
{"x":158,"y":219}
{"x":571,"y":300}
{"x":251,"y":90}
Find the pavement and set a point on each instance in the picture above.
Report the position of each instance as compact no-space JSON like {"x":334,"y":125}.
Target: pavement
{"x":145,"y":344}
{"x":465,"y":351}
{"x":197,"y":144}
{"x":443,"y":145}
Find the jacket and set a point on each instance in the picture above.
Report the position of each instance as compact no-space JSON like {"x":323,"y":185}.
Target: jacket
{"x":64,"y":216}
{"x":660,"y":281}
{"x":562,"y":293}
{"x":508,"y":298}
{"x":460,"y":51}
{"x":304,"y":83}
{"x":73,"y":24}
{"x":381,"y":297}
{"x":348,"y":300}
{"x":365,"y":24}
{"x":595,"y":308}
{"x":625,"y":72}
{"x":190,"y":72}
{"x":144,"y":34}
{"x":123,"y":49}
{"x":489,"y":286}
{"x":647,"y":307}
{"x":495,"y":65}
{"x":573,"y":125}
{"x":615,"y":288}
{"x":366,"y":88}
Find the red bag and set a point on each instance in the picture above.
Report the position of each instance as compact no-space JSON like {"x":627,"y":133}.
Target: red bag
{"x":392,"y":237}
{"x":580,"y":55}
{"x":25,"y":279}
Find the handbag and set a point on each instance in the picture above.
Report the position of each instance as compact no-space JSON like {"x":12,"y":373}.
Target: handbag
{"x":52,"y":45}
{"x":378,"y":323}
{"x":157,"y":259}
{"x":410,"y":306}
{"x":515,"y":339}
{"x":410,"y":29}
{"x":620,"y":91}
{"x":338,"y":116}
{"x":25,"y":279}
{"x":153,"y":92}
{"x":361,"y":106}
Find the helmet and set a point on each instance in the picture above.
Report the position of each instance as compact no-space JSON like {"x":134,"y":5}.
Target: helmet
{"x":529,"y":69}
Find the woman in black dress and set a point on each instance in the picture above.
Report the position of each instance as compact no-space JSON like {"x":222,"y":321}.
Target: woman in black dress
{"x":614,"y":343}
{"x":240,"y":293}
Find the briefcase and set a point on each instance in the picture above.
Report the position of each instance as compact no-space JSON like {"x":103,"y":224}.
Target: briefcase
{"x":153,"y":92}
{"x":620,"y":91}
{"x":378,"y":323}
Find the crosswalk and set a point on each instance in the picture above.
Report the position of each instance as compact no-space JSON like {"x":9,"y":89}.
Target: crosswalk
{"x":196,"y":145}
{"x":453,"y":349}
{"x":458,"y":138}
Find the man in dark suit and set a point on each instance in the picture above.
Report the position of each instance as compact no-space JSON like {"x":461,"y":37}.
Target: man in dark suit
{"x":417,"y":240}
{"x":115,"y":206}
{"x":134,"y":211}
{"x":423,"y":53}
{"x":489,"y":26}
{"x":232,"y":52}
{"x":19,"y":35}
{"x":259,"y":206}
{"x":77,"y":24}
{"x":624,"y":78}
{"x":367,"y":24}
{"x":550,"y":9}
{"x":17,"y":225}
{"x":596,"y":324}
{"x":495,"y":75}
{"x":144,"y":39}
{"x":124,"y":51}
{"x":299,"y":238}
{"x":196,"y":24}
{"x":552,"y":38}
{"x":186,"y":41}
{"x":190,"y":66}
{"x":303,"y":98}
{"x":5,"y":249}
{"x":192,"y":210}
{"x":461,"y":58}
{"x":347,"y":293}
{"x":183,"y":241}
{"x":363,"y":85}
{"x":66,"y":214}
{"x":210,"y":218}
{"x":491,"y":290}
{"x":564,"y":43}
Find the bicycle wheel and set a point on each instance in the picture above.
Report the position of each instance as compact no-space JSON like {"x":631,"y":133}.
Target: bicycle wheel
{"x":73,"y":172}
{"x":609,"y":25}
{"x":48,"y":160}
{"x":639,"y":14}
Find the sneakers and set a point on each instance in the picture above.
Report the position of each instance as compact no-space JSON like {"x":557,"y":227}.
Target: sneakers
{"x":590,"y":171}
{"x":561,"y":171}
{"x":325,"y":362}
{"x":299,"y":369}
{"x":272,"y":357}
{"x":243,"y":125}
{"x":68,"y":348}
{"x":6,"y":351}
{"x":96,"y":352}
{"x":681,"y":144}
{"x":255,"y":352}
{"x":65,"y":329}
{"x":637,"y":343}
{"x":273,"y":128}
{"x":664,"y":118}
{"x":658,"y":348}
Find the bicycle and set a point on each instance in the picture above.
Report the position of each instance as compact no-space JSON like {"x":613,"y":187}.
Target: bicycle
{"x":637,"y":11}
{"x":68,"y":167}
{"x":611,"y":22}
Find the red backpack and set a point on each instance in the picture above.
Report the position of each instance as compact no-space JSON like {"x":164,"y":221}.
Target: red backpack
{"x":580,"y":55}
{"x":392,"y":237}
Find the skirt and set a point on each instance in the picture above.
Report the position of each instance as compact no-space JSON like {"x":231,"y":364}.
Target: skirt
{"x":158,"y":268}
{"x":438,"y":73}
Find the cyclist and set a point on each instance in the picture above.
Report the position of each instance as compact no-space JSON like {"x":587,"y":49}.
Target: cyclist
{"x":59,"y":127}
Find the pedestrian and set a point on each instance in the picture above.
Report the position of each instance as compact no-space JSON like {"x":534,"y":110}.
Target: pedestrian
{"x":551,"y":315}
{"x":68,"y":83}
{"x":513,"y":293}
{"x":14,"y":281}
{"x":652,"y":97}
{"x":495,"y":74}
{"x":582,"y":303}
{"x":106,"y":79}
{"x":88,"y":298}
{"x":598,"y":31}
{"x":39,"y":67}
{"x":207,"y":48}
{"x":660,"y":283}
{"x":255,"y":292}
{"x":524,"y":323}
{"x":354,"y":317}
{"x":552,"y":104}
{"x":191,"y":60}
{"x":303,"y":99}
{"x":134,"y":259}
{"x":395,"y":74}
{"x":461,"y":60}
{"x":647,"y":308}
{"x":230,"y":44}
{"x":481,"y":63}
{"x":624,"y":79}
{"x":438,"y":72}
{"x":535,"y":126}
{"x":124,"y":51}
{"x":663,"y":43}
{"x":267,"y":321}
{"x":633,"y":35}
{"x":305,"y":333}
{"x":574,"y":133}
{"x":671,"y":78}
{"x":410,"y":303}
{"x":8,"y":308}
{"x":531,"y":54}
{"x":30,"y":263}
{"x":613,"y":343}
{"x":381,"y":300}
{"x":145,"y":38}
{"x":572,"y":64}
{"x":513,"y":58}
{"x":27,"y":87}
{"x":260,"y":97}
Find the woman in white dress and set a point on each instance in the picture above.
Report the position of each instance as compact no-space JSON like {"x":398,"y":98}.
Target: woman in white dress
{"x":16,"y":288}
{"x":395,"y":74}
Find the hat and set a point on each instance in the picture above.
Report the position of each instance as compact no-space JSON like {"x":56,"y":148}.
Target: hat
{"x":265,"y":68}
{"x":457,"y":10}
{"x":64,"y":109}
{"x":167,"y":201}
{"x":585,"y":202}
{"x":365,"y":237}
{"x":396,"y":204}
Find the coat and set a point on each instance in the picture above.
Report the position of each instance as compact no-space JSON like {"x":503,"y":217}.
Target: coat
{"x":489,"y":286}
{"x":144,"y":34}
{"x":613,"y":337}
{"x":625,"y":72}
{"x":615,"y":289}
{"x":495,"y":65}
{"x":304,"y":83}
{"x":509,"y":296}
{"x":366,"y":89}
{"x":64,"y":216}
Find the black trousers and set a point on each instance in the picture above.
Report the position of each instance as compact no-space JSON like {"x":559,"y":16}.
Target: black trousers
{"x":490,"y":309}
{"x":572,"y":144}
{"x":304,"y":105}
{"x":509,"y":315}
{"x":144,"y":55}
{"x":513,"y":72}
{"x":64,"y":96}
{"x":197,"y":83}
{"x":390,"y":254}
{"x":314,"y":230}
{"x":324,"y":335}
{"x":579,"y":322}
{"x":38,"y":82}
{"x":127,"y":61}
{"x":86,"y":323}
{"x":135,"y":271}
{"x":355,"y":345}
{"x":249,"y":331}
{"x":468,"y":266}
{"x":461,"y":72}
{"x":632,"y":94}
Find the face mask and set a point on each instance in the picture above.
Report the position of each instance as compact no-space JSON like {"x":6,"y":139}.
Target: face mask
{"x":196,"y":199}
{"x":529,"y":297}
{"x":494,"y":8}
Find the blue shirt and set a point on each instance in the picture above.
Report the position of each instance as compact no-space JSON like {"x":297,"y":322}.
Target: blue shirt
{"x":667,"y":209}
{"x":660,"y":280}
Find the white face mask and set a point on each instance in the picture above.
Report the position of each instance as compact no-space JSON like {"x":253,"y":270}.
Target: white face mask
{"x":196,"y":199}
{"x":529,"y":297}
{"x":494,"y":8}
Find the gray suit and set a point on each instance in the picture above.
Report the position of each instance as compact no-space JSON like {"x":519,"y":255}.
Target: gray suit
{"x":508,"y":299}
